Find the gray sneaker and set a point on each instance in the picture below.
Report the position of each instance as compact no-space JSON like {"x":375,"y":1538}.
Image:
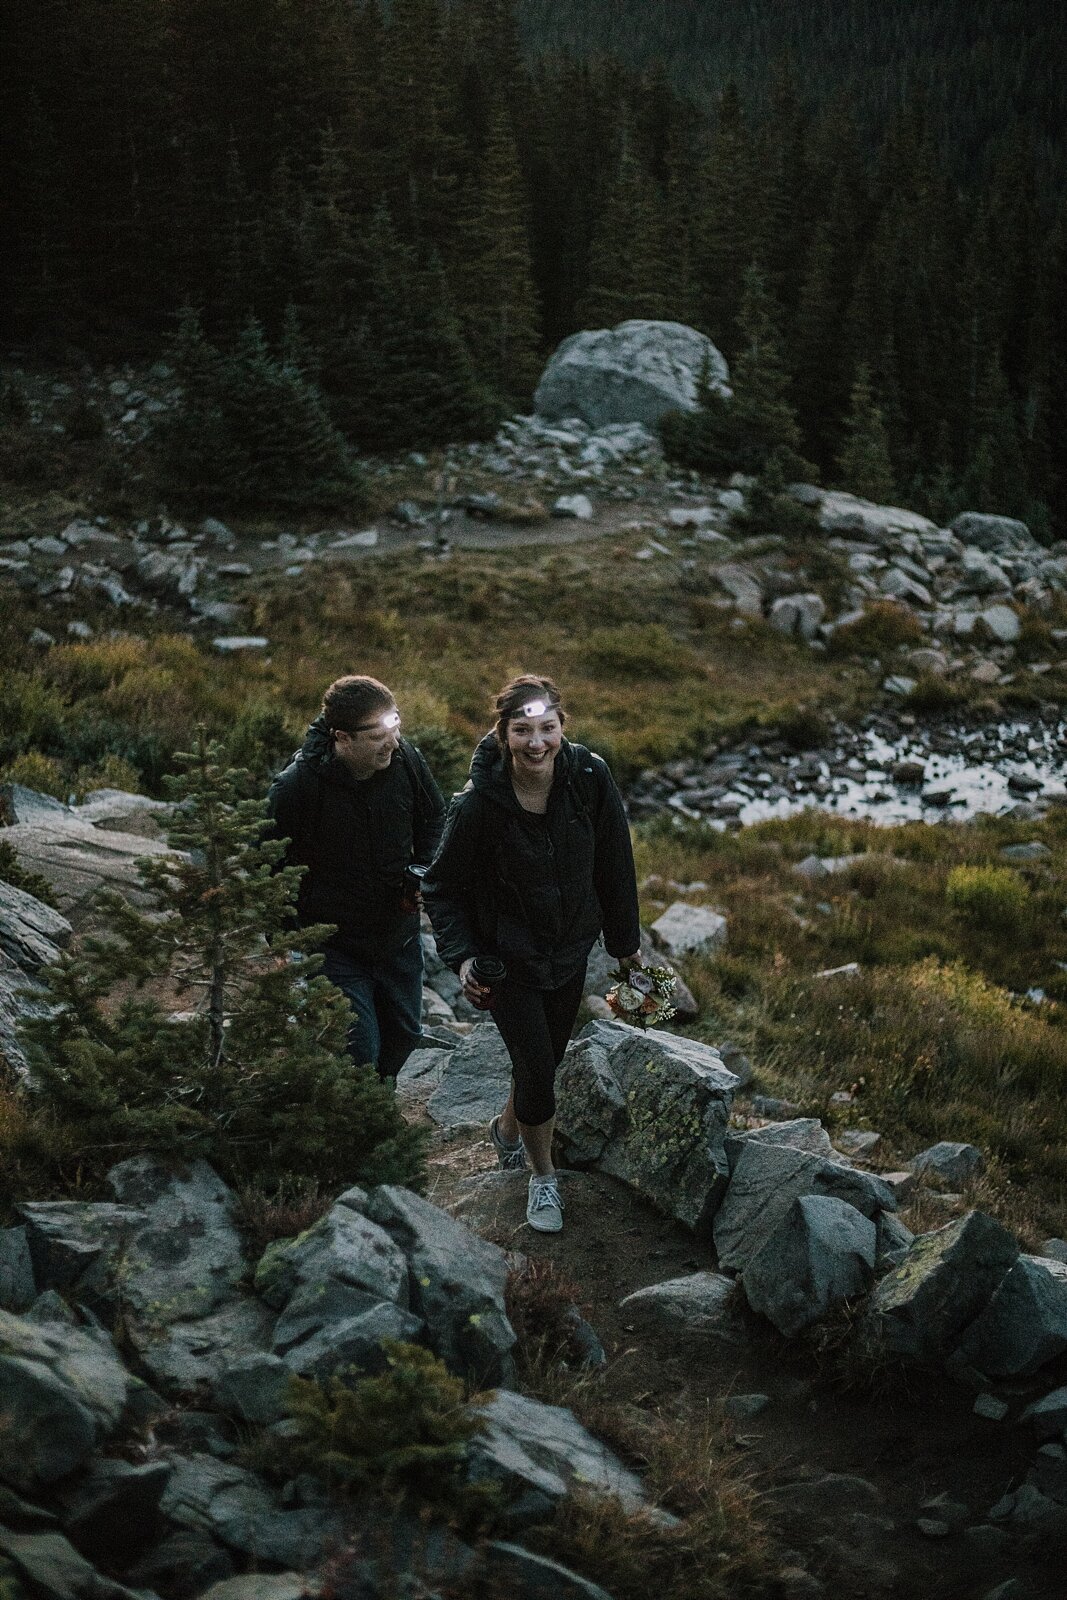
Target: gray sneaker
{"x":544,"y":1208}
{"x":511,"y":1157}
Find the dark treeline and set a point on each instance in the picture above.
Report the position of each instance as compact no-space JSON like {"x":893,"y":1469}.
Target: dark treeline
{"x":982,"y":66}
{"x":415,"y":212}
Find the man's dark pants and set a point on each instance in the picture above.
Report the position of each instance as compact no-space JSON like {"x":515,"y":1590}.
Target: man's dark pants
{"x":386,"y":1000}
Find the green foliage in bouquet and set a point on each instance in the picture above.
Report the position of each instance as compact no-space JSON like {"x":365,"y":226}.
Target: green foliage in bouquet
{"x":253,"y":1076}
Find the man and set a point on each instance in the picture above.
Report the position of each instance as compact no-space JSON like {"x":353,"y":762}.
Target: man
{"x":360,"y":809}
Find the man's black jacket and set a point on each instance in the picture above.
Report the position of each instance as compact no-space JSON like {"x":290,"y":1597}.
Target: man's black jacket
{"x":535,"y":891}
{"x":356,"y":839}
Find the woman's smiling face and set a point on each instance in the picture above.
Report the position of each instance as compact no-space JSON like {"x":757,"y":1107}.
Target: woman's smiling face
{"x":534,"y":740}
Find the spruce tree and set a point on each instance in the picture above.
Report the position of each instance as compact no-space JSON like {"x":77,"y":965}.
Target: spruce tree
{"x":627,"y":267}
{"x":863,"y":462}
{"x":251,"y":429}
{"x":758,"y":427}
{"x":404,"y":376}
{"x":494,"y":276}
{"x":253,"y":1076}
{"x":728,"y":227}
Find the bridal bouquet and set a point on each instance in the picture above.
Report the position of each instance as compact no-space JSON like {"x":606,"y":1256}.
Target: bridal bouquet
{"x":643,"y":996}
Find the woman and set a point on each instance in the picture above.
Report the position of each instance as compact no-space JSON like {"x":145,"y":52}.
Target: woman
{"x":535,"y":862}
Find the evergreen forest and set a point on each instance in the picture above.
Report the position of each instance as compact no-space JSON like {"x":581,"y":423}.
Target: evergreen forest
{"x":403,"y":209}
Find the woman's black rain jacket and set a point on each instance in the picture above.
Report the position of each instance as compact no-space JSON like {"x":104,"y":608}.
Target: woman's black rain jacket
{"x":535,"y":891}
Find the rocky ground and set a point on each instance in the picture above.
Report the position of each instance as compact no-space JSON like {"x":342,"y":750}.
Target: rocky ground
{"x":712,"y":1237}
{"x":919,"y":1486}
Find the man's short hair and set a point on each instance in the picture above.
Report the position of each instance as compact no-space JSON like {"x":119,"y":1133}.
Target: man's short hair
{"x":352,"y":701}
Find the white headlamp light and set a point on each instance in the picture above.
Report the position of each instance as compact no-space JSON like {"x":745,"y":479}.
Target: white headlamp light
{"x":535,"y":708}
{"x":391,"y":719}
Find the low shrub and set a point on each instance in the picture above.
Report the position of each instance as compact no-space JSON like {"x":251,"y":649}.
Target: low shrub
{"x":403,"y":1432}
{"x":638,"y":650}
{"x":991,"y":895}
{"x":934,"y":695}
{"x":885,"y":626}
{"x":36,"y":771}
{"x":13,"y":872}
{"x":804,"y":727}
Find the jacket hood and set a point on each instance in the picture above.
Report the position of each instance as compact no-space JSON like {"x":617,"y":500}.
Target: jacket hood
{"x":489,"y":772}
{"x":317,"y":748}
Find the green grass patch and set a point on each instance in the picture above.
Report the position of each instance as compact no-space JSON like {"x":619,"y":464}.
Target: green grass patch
{"x":935,"y":1034}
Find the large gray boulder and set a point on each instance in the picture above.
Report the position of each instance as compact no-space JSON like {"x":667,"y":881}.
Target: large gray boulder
{"x":702,"y":1302}
{"x":768,"y":1178}
{"x":997,"y":535}
{"x":822,"y":1252}
{"x":949,"y":1162}
{"x":848,"y":514}
{"x":17,"y":1287}
{"x":78,"y":859}
{"x":21,"y":997}
{"x":52,"y":1567}
{"x":800,"y":1133}
{"x":684,"y":930}
{"x":168,"y":1248}
{"x":1025,"y":1323}
{"x":538,"y":1453}
{"x":342,"y":1288}
{"x":62,"y":1393}
{"x":474,"y":1081}
{"x":238,"y":1510}
{"x":635,"y":372}
{"x":920,"y":1309}
{"x":652,"y":1109}
{"x":167,"y":1256}
{"x":31,"y":933}
{"x":456,"y":1282}
{"x":111,"y":1507}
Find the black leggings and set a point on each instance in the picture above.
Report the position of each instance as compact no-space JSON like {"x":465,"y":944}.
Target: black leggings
{"x":536,"y":1024}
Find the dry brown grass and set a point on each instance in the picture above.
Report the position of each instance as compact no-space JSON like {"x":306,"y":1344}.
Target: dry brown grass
{"x":283,"y":1213}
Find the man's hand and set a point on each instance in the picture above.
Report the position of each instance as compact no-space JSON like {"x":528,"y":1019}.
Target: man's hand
{"x":626,"y":962}
{"x":476,"y":993}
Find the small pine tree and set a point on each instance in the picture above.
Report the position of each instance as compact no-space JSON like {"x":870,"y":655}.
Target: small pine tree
{"x":404,"y":1432}
{"x":494,"y":281}
{"x":758,"y":425}
{"x":863,"y":463}
{"x":256,"y":1079}
{"x":404,"y":376}
{"x":252,"y":430}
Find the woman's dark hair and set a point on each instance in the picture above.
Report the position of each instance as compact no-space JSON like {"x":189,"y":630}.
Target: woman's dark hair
{"x":351,"y":701}
{"x":519,"y":692}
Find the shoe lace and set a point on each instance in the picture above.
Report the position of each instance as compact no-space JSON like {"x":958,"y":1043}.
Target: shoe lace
{"x":546,"y":1194}
{"x":513,"y":1160}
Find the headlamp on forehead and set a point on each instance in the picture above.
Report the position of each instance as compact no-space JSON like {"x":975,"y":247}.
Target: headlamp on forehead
{"x":535,"y":708}
{"x":391,"y":719}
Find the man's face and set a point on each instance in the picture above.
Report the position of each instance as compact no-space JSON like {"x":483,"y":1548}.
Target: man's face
{"x":371,"y":746}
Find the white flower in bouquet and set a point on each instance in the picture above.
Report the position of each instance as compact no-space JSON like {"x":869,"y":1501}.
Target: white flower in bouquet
{"x":642,"y":996}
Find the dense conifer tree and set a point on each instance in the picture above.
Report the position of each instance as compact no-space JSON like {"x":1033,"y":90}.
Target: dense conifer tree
{"x":757,"y":430}
{"x":494,"y":271}
{"x":864,"y":466}
{"x":257,"y":1080}
{"x":403,"y":375}
{"x":726,"y":227}
{"x":251,"y":429}
{"x":627,"y":272}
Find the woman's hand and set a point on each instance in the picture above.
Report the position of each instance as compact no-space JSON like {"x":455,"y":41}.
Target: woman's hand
{"x":625,"y":962}
{"x":476,"y":993}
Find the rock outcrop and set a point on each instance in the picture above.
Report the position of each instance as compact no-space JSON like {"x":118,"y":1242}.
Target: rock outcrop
{"x":635,"y":372}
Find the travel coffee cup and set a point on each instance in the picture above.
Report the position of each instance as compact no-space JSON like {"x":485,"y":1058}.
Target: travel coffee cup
{"x":490,"y":973}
